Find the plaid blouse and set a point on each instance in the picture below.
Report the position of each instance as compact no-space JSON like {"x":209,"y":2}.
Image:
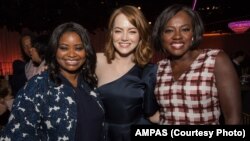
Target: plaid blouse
{"x":193,"y":98}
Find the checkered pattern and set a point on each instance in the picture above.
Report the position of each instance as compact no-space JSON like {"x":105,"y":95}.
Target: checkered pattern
{"x":193,"y":98}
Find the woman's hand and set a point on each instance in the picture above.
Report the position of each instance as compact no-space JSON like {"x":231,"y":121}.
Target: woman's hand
{"x":155,"y":118}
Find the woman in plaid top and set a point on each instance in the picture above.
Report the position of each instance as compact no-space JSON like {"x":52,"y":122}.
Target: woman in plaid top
{"x":194,"y":86}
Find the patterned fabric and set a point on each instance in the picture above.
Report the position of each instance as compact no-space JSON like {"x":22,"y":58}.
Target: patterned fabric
{"x":193,"y":98}
{"x":48,"y":112}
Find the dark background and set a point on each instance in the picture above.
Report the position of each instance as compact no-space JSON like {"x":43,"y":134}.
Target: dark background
{"x":40,"y":15}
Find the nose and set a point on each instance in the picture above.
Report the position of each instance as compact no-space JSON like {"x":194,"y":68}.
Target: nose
{"x":124,"y":36}
{"x":72,"y":53}
{"x":177,"y":34}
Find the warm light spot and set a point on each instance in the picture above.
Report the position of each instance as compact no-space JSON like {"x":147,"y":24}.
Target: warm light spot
{"x":215,"y":34}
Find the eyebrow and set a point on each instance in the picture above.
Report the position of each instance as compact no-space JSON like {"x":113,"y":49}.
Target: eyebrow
{"x":180,"y":26}
{"x":122,"y":28}
{"x":67,"y":44}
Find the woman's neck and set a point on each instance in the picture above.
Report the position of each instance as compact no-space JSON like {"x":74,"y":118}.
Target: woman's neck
{"x":124,"y":59}
{"x":72,"y":78}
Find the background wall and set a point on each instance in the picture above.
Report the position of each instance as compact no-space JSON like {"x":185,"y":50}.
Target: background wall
{"x":10,"y":51}
{"x":229,"y":43}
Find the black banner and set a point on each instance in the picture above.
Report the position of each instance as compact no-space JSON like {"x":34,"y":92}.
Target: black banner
{"x":176,"y":132}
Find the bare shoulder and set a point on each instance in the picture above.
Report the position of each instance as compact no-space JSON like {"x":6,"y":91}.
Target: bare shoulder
{"x":222,"y":58}
{"x":101,"y":62}
{"x":100,"y":56}
{"x":223,"y":63}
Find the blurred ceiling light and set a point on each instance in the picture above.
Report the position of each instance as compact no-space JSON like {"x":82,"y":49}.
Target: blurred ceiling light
{"x":239,"y":26}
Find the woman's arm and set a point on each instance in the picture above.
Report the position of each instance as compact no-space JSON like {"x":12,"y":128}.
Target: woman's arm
{"x":228,"y":86}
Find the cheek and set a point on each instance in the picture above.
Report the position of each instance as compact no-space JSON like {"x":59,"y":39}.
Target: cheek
{"x":59,"y":56}
{"x":82,"y":55}
{"x":115,"y":41}
{"x":165,"y":40}
{"x":189,"y":40}
{"x":188,"y":36}
{"x":115,"y":38}
{"x":136,"y":39}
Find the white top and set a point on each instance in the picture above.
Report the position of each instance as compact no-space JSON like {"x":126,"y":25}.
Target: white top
{"x":32,"y":70}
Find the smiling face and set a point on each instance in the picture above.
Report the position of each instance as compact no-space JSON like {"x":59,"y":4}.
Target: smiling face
{"x":177,"y":35}
{"x":71,"y":53}
{"x":125,"y":36}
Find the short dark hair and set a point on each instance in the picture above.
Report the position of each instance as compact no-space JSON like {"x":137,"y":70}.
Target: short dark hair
{"x":167,"y":14}
{"x":40,"y":43}
{"x":88,"y":69}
